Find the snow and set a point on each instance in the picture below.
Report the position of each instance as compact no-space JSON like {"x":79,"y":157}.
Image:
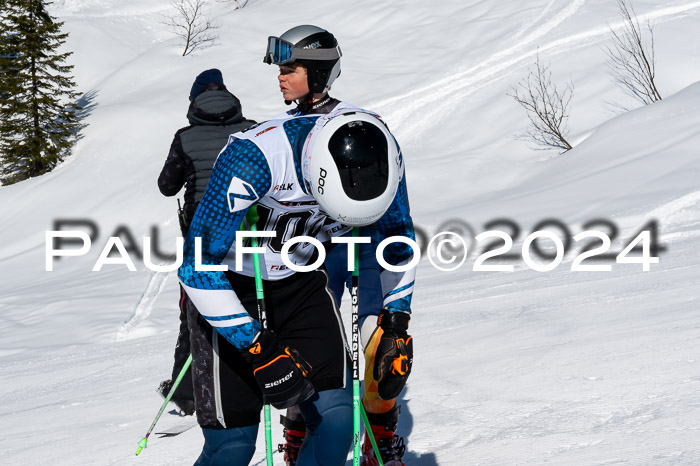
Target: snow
{"x":522,"y":367}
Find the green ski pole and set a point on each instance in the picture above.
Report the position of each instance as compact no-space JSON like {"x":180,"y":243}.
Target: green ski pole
{"x":143,"y":443}
{"x":252,"y":218}
{"x":356,"y":352}
{"x":371,"y":437}
{"x":358,"y":408}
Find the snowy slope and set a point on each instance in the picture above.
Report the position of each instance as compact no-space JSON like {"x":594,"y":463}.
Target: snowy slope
{"x":520,"y":367}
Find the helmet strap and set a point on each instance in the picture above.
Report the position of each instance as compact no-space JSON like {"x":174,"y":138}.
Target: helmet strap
{"x":304,"y":104}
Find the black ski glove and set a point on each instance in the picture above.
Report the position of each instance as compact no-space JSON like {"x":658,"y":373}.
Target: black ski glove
{"x":280,"y":372}
{"x":394,"y":356}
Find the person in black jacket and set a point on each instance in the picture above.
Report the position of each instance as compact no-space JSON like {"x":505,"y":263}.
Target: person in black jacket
{"x":214,"y":113}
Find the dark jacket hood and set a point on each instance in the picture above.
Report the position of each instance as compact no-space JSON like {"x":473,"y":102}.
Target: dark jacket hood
{"x":215,"y":107}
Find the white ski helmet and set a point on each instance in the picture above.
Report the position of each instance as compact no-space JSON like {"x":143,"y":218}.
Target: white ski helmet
{"x":313,"y":47}
{"x":351,"y":165}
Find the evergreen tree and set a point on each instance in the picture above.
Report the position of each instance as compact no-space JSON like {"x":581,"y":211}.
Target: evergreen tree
{"x":37,"y":119}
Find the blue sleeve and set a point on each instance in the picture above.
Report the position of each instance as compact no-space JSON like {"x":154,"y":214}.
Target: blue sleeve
{"x":396,"y":286}
{"x":240,"y":177}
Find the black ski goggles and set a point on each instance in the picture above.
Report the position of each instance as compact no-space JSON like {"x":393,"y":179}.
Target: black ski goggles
{"x":281,"y":52}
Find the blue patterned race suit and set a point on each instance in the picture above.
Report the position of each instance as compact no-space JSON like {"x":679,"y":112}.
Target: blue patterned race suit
{"x":262,"y":166}
{"x":255,"y":167}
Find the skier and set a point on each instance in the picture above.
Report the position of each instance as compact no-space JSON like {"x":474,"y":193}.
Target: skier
{"x":214,"y":113}
{"x":308,"y":66}
{"x":301,"y":357}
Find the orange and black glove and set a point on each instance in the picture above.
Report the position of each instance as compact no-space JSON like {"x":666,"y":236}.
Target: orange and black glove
{"x":394,"y":356}
{"x":279,"y":371}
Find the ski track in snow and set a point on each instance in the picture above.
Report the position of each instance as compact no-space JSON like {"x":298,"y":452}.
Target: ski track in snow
{"x":534,"y":22}
{"x":83,"y":9}
{"x":676,"y":211}
{"x":680,"y":218}
{"x":423,"y":99}
{"x":453,"y":89}
{"x":156,"y":283}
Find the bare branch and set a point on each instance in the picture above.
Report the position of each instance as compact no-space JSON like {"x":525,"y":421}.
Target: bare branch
{"x":191,"y":24}
{"x":238,"y":4}
{"x":547,"y":107}
{"x":632,"y":62}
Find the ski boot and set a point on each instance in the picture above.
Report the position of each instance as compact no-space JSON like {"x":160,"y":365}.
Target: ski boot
{"x":294,"y":433}
{"x":391,"y":446}
{"x":185,"y":405}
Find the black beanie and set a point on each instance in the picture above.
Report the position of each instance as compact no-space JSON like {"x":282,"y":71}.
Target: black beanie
{"x":204,"y":78}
